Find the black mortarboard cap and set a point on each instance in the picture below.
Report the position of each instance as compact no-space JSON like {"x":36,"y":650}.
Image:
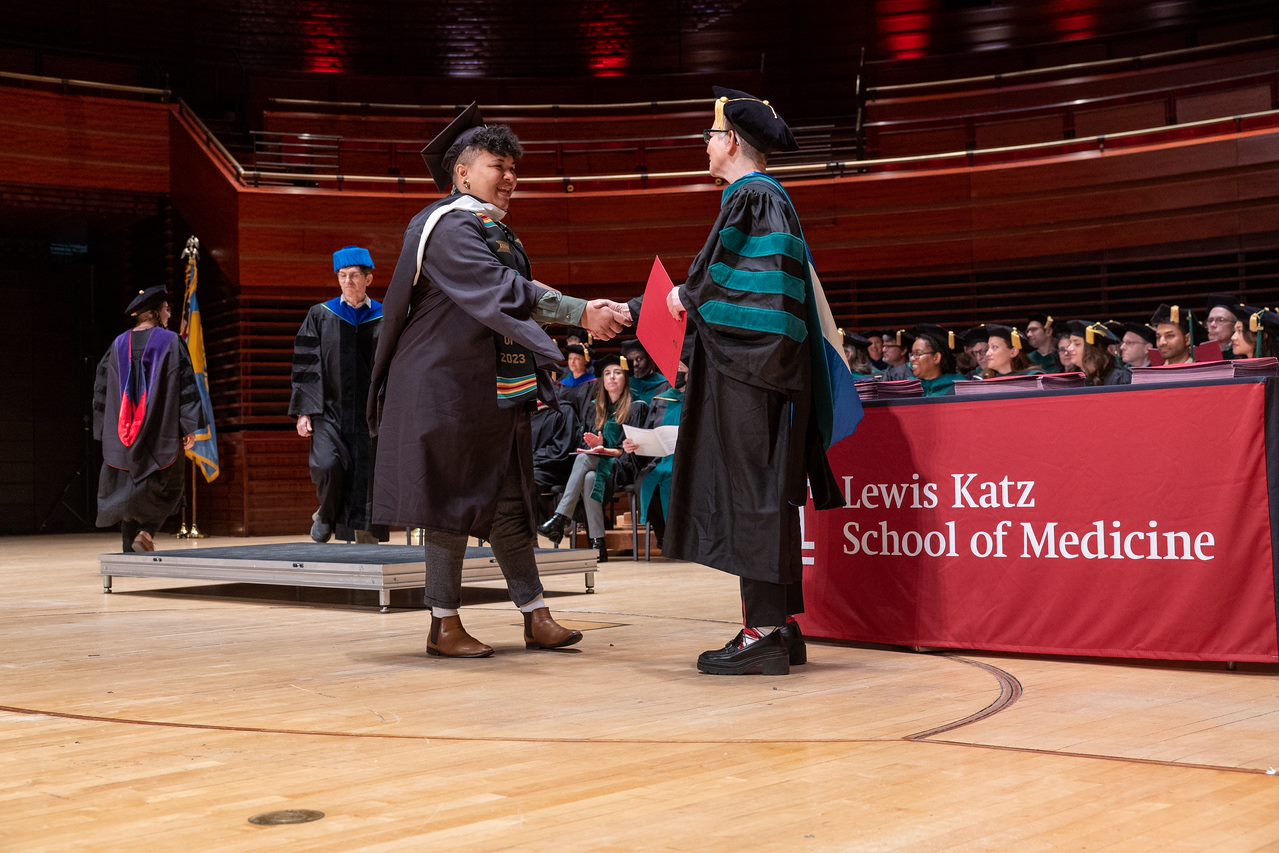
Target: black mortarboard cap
{"x":755,"y":119}
{"x":1041,"y":318}
{"x":1142,"y":330}
{"x":610,"y":360}
{"x":1094,"y":334}
{"x":152,"y":297}
{"x":441,"y":153}
{"x":904,"y":338}
{"x":975,"y":335}
{"x":1011,"y":335}
{"x":947,"y":338}
{"x":1224,"y":300}
{"x":857,"y":339}
{"x":1178,"y":316}
{"x":578,"y":349}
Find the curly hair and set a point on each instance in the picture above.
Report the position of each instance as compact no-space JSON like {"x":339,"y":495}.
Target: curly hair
{"x":494,"y":139}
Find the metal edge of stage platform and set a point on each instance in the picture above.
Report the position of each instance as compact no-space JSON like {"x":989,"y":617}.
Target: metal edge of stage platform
{"x":399,"y":567}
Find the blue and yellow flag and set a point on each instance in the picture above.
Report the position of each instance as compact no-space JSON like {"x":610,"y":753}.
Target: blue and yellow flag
{"x":205,"y":452}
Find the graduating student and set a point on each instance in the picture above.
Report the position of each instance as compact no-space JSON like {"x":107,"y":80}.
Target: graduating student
{"x":760,"y":408}
{"x":578,"y":360}
{"x":332,"y":361}
{"x":459,"y":365}
{"x":932,"y":358}
{"x":1006,"y":353}
{"x":1042,"y":344}
{"x":646,"y":381}
{"x":1224,"y":311}
{"x":1176,"y":334}
{"x":1135,"y":344}
{"x":146,"y":411}
{"x":1089,"y":351}
{"x":902,"y":340}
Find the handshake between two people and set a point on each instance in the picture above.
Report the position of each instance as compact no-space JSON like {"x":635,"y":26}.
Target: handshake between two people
{"x":605,"y":319}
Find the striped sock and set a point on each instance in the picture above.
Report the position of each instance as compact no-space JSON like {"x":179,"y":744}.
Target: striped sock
{"x":750,"y":635}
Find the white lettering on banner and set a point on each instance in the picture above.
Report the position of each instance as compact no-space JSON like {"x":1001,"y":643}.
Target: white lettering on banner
{"x":891,"y":495}
{"x":882,"y":541}
{"x":927,"y":535}
{"x":991,"y":494}
{"x":1116,"y":544}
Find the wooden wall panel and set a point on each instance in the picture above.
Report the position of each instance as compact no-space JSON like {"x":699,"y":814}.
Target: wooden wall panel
{"x":265,"y":487}
{"x":83,"y":142}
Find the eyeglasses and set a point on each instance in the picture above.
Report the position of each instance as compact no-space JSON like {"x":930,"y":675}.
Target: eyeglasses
{"x":706,"y":134}
{"x":915,"y":355}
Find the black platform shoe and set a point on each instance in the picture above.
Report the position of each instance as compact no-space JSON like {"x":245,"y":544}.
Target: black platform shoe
{"x":601,"y":548}
{"x":553,"y":528}
{"x":765,"y":656}
{"x":794,"y":640}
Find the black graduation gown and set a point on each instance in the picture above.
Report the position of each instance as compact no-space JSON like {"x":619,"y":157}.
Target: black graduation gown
{"x":443,"y":444}
{"x":332,"y":362}
{"x":747,"y":440}
{"x":143,"y":482}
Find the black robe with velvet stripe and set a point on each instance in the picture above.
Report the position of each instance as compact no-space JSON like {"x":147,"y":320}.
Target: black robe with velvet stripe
{"x":442,"y":442}
{"x":143,"y":482}
{"x":748,"y":442}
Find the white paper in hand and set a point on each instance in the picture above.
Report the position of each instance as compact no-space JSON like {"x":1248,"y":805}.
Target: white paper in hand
{"x":653,"y":442}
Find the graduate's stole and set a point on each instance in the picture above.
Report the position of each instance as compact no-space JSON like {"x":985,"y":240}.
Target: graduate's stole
{"x":516,"y":367}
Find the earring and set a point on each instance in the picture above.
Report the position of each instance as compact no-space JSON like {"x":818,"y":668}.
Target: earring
{"x":466,"y":183}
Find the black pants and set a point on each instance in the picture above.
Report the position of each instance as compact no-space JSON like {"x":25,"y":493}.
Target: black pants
{"x":765,"y":603}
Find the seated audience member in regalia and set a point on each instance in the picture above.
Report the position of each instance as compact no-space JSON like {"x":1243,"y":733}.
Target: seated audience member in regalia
{"x":895,"y":353}
{"x":146,"y":412}
{"x":594,"y":477}
{"x":1117,"y":329}
{"x":1061,"y":339}
{"x":1089,"y":351}
{"x":1041,"y":346}
{"x":1176,"y":334}
{"x":875,"y":349}
{"x":646,"y":381}
{"x":1006,"y":353}
{"x":903,"y":340}
{"x":578,"y":360}
{"x":857,"y":353}
{"x":654,"y":482}
{"x":1224,"y":311}
{"x":971,"y":361}
{"x":932,"y":360}
{"x":1135,"y":344}
{"x":1266,"y":321}
{"x":556,"y":432}
{"x":332,"y":361}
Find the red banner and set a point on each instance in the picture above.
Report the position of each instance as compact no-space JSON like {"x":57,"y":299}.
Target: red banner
{"x":1122,"y":524}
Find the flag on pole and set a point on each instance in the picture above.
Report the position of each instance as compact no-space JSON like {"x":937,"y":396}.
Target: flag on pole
{"x":205,"y":452}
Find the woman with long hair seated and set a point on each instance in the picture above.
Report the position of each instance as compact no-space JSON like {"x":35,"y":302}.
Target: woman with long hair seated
{"x":1089,"y":351}
{"x":1006,"y":353}
{"x":932,"y":360}
{"x":606,"y":464}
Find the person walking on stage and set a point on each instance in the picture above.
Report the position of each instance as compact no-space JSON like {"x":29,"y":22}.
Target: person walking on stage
{"x":460,"y":363}
{"x":760,"y":404}
{"x":146,"y":411}
{"x":332,"y":361}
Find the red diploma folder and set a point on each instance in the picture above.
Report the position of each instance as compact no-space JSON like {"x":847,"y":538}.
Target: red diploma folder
{"x":661,"y":335}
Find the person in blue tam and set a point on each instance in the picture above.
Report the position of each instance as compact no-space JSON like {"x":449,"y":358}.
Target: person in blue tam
{"x":332,"y":362}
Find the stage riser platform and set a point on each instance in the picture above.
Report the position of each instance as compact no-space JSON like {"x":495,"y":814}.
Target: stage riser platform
{"x":378,"y":568}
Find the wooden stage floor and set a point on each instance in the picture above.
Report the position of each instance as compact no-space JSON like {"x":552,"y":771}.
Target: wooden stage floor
{"x":164,"y":716}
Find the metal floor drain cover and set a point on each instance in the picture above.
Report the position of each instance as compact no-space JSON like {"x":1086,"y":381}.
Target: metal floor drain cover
{"x":285,"y":816}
